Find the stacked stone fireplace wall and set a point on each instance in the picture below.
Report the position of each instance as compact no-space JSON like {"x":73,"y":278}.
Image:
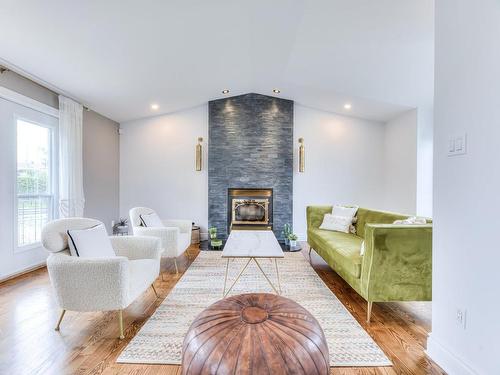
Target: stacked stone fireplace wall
{"x":250,"y":146}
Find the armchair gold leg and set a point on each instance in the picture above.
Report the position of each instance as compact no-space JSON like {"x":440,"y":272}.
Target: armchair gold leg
{"x":176,"y":269}
{"x":310,"y":249}
{"x":154,"y":290}
{"x":60,"y":320}
{"x":369,"y":311}
{"x":120,"y":322}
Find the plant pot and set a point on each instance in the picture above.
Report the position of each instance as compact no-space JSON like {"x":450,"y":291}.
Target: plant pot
{"x":293,"y":243}
{"x":121,"y":229}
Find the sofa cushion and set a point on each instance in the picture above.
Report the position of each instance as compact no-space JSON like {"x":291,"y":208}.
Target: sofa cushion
{"x":341,"y":250}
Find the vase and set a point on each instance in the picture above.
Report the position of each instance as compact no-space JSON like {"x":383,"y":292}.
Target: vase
{"x":293,"y":243}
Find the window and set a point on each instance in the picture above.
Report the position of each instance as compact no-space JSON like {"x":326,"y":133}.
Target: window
{"x":35,"y":185}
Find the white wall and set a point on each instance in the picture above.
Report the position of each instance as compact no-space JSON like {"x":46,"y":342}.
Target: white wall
{"x":466,"y":254}
{"x":157,"y":165}
{"x":425,"y":144}
{"x":400,"y":163}
{"x":344,"y":162}
{"x":101,"y":168}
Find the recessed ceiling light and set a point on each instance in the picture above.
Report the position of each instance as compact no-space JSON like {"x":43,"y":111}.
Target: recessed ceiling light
{"x":154,"y":107}
{"x":276,"y":91}
{"x":226,"y":91}
{"x":347,"y":106}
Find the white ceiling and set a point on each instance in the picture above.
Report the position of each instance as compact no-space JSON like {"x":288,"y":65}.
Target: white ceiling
{"x":119,"y":56}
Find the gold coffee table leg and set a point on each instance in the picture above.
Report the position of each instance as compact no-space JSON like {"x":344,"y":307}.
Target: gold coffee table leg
{"x":225,"y":278}
{"x":238,"y":277}
{"x":278,"y":274}
{"x":267,"y":278}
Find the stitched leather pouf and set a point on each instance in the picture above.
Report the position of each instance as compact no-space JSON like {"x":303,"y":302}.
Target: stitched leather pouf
{"x":255,"y":333}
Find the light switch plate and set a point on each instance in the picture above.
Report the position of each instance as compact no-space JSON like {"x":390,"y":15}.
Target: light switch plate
{"x":457,"y":145}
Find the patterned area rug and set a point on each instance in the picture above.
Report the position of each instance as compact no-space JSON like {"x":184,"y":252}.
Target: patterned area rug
{"x":160,"y":339}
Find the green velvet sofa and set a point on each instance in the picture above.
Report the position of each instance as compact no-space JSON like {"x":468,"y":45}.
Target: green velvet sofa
{"x":396,"y":265}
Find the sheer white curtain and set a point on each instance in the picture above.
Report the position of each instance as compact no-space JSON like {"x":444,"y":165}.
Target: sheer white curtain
{"x":71,"y":197}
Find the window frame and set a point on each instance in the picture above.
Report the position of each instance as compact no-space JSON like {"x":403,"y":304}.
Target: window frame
{"x":54,"y":180}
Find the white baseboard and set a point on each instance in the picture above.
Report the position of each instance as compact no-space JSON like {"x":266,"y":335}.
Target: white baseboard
{"x":15,"y":274}
{"x":448,"y":361}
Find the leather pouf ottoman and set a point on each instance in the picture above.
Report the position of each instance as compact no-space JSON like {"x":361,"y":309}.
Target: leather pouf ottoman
{"x":255,"y":333}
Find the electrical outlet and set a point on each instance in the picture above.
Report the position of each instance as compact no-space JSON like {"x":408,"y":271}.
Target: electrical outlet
{"x":461,"y":318}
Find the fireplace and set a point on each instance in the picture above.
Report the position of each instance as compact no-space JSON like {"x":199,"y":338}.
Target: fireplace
{"x":250,"y":209}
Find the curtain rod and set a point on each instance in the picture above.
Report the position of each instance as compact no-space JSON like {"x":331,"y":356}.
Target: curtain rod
{"x":6,"y":66}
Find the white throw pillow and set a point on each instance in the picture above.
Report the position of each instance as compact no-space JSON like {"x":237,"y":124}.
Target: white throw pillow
{"x":90,"y":243}
{"x":151,"y":220}
{"x":336,"y":223}
{"x":362,"y":250}
{"x":345,"y":211}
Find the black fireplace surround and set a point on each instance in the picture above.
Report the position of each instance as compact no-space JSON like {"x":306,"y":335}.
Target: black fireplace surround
{"x":250,"y":146}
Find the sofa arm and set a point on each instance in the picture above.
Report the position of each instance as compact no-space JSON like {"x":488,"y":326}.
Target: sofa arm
{"x":184,"y":226}
{"x":89,"y":284}
{"x":136,"y":247}
{"x":315,"y":214}
{"x":397,"y":264}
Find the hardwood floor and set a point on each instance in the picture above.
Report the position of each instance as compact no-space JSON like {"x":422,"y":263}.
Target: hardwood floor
{"x":88,"y":342}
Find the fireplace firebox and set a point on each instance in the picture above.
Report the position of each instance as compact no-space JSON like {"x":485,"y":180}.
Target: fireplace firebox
{"x":250,"y":209}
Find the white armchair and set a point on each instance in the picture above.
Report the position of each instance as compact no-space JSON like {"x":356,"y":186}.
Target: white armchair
{"x":99,"y":284}
{"x":175,"y":236}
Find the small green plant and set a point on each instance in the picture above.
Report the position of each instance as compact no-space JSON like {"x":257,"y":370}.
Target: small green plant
{"x":287,"y":231}
{"x":212,"y":232}
{"x":293,"y":237}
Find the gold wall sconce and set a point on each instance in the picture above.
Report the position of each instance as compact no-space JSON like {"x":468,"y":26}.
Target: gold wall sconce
{"x":302,"y":155}
{"x":199,"y":151}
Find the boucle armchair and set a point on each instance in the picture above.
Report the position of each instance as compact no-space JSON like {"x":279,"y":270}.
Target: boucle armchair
{"x":175,"y":235}
{"x":99,"y":284}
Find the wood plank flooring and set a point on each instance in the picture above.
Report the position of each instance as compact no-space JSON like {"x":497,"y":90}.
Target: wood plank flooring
{"x":88,"y":343}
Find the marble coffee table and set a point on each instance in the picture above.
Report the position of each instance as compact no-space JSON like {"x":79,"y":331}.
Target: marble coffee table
{"x":252,"y":245}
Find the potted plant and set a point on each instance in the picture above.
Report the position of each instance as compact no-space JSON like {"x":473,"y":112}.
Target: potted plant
{"x":293,"y":239}
{"x":287,"y":231}
{"x":121,"y":227}
{"x":214,"y":242}
{"x":213,"y":233}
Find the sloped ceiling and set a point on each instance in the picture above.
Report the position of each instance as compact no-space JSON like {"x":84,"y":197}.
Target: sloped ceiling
{"x":118,"y":57}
